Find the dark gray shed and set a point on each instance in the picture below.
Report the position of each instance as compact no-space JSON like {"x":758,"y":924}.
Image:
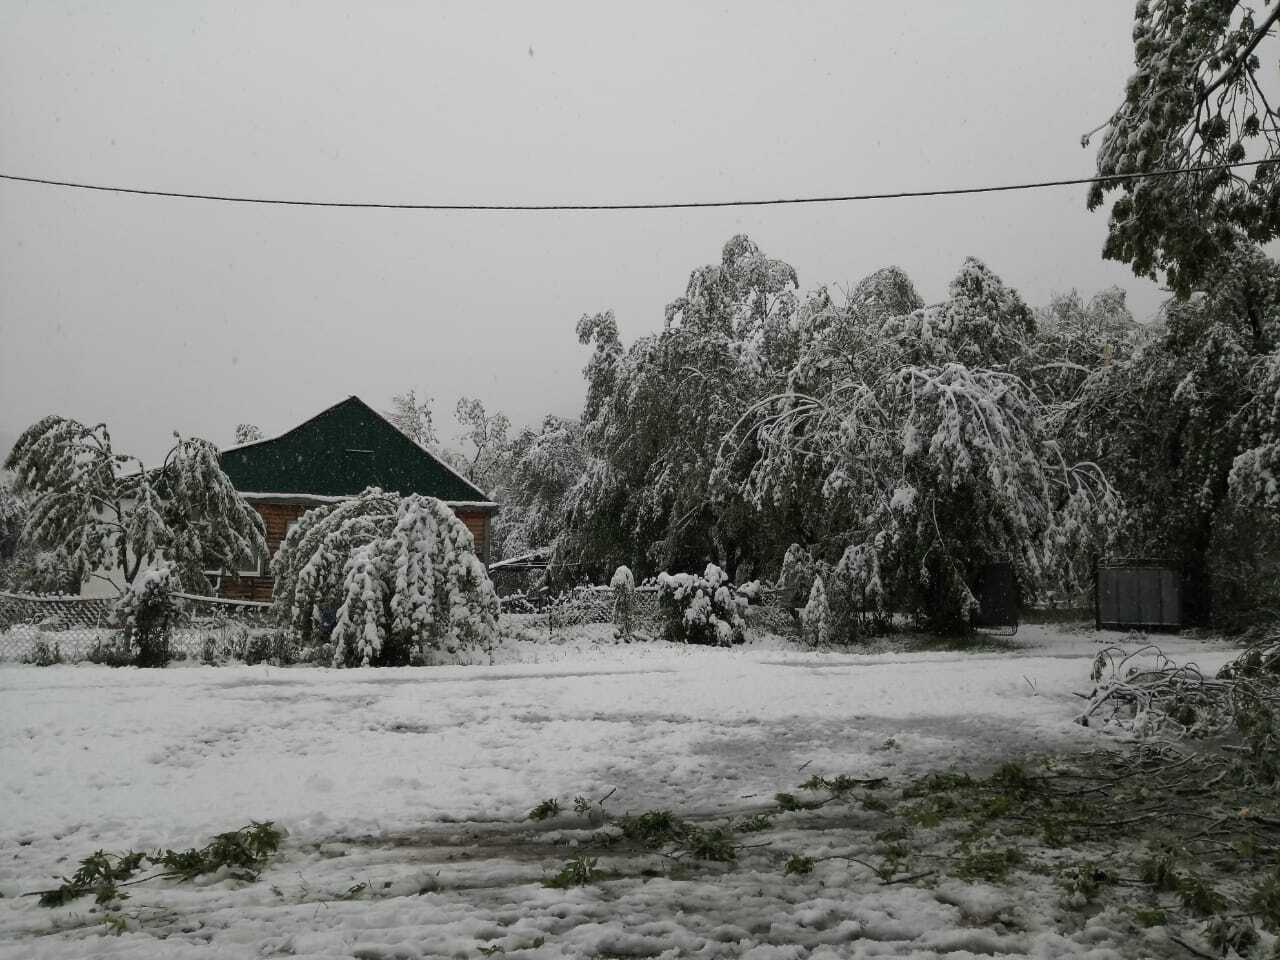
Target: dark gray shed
{"x":1138,"y":594}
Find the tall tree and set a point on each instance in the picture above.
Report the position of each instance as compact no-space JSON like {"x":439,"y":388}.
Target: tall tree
{"x":1171,"y":422}
{"x":656,"y":412}
{"x":1195,"y":99}
{"x":414,"y":417}
{"x":1074,"y":338}
{"x":487,"y":443}
{"x":543,"y":466}
{"x":927,"y":456}
{"x":248,"y":433}
{"x":108,"y":512}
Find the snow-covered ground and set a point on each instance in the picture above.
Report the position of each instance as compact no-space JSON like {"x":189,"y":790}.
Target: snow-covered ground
{"x":413,"y":781}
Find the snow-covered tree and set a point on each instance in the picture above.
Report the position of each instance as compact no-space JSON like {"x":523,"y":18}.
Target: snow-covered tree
{"x":414,"y":417}
{"x":401,"y":573}
{"x":656,"y":411}
{"x":13,"y":517}
{"x":1075,"y":338}
{"x":927,"y":450}
{"x":1255,"y":471}
{"x":542,"y":467}
{"x":248,"y":433}
{"x":108,"y":512}
{"x":623,"y":585}
{"x":1197,"y":98}
{"x":815,"y":618}
{"x":701,"y":609}
{"x":486,"y":436}
{"x":310,"y":566}
{"x":1187,"y":418}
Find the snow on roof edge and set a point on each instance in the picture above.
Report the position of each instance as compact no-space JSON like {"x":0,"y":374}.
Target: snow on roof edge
{"x":332,"y":498}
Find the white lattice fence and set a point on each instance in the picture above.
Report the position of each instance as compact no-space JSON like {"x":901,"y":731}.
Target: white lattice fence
{"x":595,"y":605}
{"x":75,"y":625}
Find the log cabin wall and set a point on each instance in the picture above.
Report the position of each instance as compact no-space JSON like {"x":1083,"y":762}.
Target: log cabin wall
{"x":276,"y":517}
{"x":478,"y":524}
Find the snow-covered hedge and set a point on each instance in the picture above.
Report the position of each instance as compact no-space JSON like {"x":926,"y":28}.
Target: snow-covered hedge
{"x":701,"y":609}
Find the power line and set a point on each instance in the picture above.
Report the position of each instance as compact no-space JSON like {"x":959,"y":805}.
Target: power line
{"x":672,"y":205}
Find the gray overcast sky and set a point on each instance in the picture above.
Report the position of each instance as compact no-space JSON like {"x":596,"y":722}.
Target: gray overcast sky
{"x":157,"y":315}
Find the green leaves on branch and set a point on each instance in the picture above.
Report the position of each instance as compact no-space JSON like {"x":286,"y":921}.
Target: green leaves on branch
{"x":241,"y":852}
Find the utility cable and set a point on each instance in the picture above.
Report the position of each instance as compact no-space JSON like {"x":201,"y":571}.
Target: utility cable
{"x":670,"y":205}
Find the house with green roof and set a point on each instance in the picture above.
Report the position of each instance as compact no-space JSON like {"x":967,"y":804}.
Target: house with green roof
{"x":332,"y":457}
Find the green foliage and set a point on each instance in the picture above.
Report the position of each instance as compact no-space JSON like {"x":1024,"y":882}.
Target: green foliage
{"x":115,"y":923}
{"x":108,"y":511}
{"x":937,"y":783}
{"x":840,"y":784}
{"x":993,"y":866}
{"x":99,"y":874}
{"x":577,"y":872}
{"x":1013,"y":781}
{"x":1195,"y":99}
{"x":932,"y":810}
{"x":43,"y":654}
{"x":653,"y":828}
{"x":875,"y":804}
{"x":243,"y":851}
{"x":662,"y":828}
{"x":540,"y":467}
{"x":1084,"y":882}
{"x":1160,"y":871}
{"x":798,"y":866}
{"x":1150,"y":917}
{"x":1185,"y":430}
{"x":32,"y":569}
{"x":653,"y":494}
{"x":789,"y":803}
{"x":148,"y":612}
{"x":1264,"y":901}
{"x":927,"y":454}
{"x":113,"y":653}
{"x":545,"y":809}
{"x":1226,"y":934}
{"x":1199,"y":896}
{"x":713,"y":843}
{"x":754,"y":824}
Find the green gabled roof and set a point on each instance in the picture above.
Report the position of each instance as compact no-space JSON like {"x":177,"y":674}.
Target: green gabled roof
{"x":338,"y":453}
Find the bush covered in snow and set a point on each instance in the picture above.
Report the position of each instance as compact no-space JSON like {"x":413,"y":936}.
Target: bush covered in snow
{"x":701,"y":609}
{"x":815,"y":619}
{"x":147,"y":612}
{"x":623,"y":586}
{"x":796,"y":577}
{"x":401,"y":573}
